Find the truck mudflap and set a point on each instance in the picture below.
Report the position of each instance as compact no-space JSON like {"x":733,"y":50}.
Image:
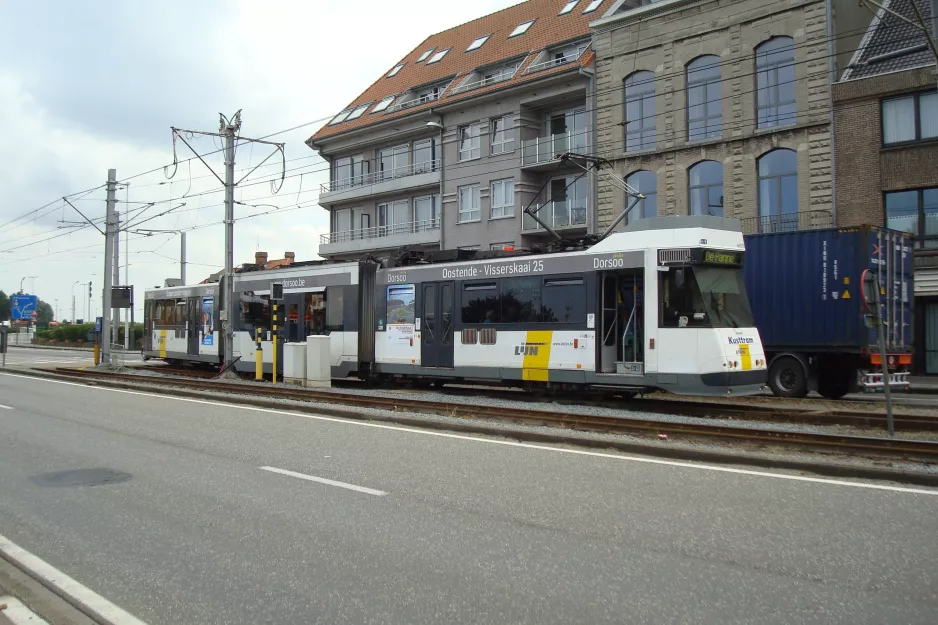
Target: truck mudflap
{"x":872,"y":381}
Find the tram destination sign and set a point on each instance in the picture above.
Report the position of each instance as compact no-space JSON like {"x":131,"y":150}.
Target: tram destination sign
{"x":516,"y":266}
{"x":716,"y":257}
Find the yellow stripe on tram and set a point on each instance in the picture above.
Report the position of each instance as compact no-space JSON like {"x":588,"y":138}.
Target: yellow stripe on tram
{"x":161,"y":342}
{"x":745,"y":357}
{"x":536,"y":355}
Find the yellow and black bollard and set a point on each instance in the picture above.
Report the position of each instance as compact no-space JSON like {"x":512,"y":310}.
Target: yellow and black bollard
{"x":259,"y":356}
{"x":273,"y":336}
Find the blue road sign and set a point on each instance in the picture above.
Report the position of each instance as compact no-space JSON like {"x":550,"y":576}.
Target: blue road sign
{"x":22,"y":306}
{"x":98,"y":322}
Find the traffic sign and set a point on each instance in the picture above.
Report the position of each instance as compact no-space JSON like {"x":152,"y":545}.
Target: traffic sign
{"x":23,"y":307}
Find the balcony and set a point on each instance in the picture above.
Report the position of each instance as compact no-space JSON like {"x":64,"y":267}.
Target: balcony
{"x":407,"y":104}
{"x":557,"y":215}
{"x":787,"y":222}
{"x":545,"y":150}
{"x":568,"y":57}
{"x":392,"y":236}
{"x":398,"y":179}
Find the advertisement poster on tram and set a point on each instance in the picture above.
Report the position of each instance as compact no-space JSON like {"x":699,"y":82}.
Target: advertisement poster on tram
{"x":208,"y":321}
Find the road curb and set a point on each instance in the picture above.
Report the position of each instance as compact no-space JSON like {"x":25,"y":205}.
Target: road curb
{"x":828,"y":469}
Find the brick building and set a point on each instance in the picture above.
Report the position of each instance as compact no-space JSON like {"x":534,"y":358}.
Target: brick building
{"x":717,"y":107}
{"x":886,"y":125}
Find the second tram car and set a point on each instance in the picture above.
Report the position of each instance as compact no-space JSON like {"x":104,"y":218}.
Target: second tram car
{"x":658,"y":306}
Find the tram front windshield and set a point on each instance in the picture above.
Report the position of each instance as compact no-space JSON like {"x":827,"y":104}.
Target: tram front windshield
{"x":704,"y":297}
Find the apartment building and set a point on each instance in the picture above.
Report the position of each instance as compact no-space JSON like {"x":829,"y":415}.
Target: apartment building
{"x":886,"y":124}
{"x":717,"y":107}
{"x":447,"y":148}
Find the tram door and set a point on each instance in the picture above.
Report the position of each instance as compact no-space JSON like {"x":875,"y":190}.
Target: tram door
{"x":621,"y":349}
{"x":437,"y":300}
{"x":193,"y":326}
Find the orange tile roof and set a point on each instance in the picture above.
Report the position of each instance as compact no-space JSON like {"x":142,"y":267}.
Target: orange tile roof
{"x":548,"y":29}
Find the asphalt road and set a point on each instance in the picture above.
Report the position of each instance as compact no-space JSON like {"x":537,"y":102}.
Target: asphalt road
{"x":424,"y":527}
{"x":39,"y":357}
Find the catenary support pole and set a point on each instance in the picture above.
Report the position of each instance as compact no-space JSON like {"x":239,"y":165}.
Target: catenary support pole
{"x":116,"y":278}
{"x":182,"y":257}
{"x":229,"y":129}
{"x":109,"y":231}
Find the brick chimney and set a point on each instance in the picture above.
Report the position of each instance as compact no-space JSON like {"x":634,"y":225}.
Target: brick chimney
{"x":290,"y":257}
{"x":260,"y":258}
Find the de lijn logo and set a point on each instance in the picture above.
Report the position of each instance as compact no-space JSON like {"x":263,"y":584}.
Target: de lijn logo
{"x":526,"y":350}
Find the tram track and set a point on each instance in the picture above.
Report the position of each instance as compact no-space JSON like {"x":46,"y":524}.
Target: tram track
{"x":866,"y":446}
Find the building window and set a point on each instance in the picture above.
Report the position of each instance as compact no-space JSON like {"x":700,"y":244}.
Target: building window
{"x":477,"y":43}
{"x":775,"y":83}
{"x":592,"y":6}
{"x":778,"y":191}
{"x":705,"y":188}
{"x":469,"y":204}
{"x":342,"y":221}
{"x":646,"y":183}
{"x":394,"y":217}
{"x":568,"y":7}
{"x":392,"y":162}
{"x":502,"y":246}
{"x":383,"y":104}
{"x":704,"y":98}
{"x":469,"y":147}
{"x":640,"y":131}
{"x":425,"y":54}
{"x":910,"y":118}
{"x":502,"y":139}
{"x":915,"y":212}
{"x":396,"y":69}
{"x":427,"y":212}
{"x":520,"y":29}
{"x":436,"y":58}
{"x":425,"y":156}
{"x":502,"y":199}
{"x":348,"y":171}
{"x":568,"y":132}
{"x":358,"y":112}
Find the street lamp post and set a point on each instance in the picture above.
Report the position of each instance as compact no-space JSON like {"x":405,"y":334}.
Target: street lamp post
{"x":24,"y":278}
{"x":73,"y":299}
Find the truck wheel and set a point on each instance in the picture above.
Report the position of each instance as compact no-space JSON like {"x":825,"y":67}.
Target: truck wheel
{"x":787,"y":378}
{"x":831,"y":390}
{"x":836,"y":382}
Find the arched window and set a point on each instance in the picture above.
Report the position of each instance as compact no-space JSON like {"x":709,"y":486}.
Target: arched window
{"x":704,"y":98}
{"x":775,"y":82}
{"x":778,"y":191}
{"x":705,"y":188}
{"x":646,"y":183}
{"x":640,"y":111}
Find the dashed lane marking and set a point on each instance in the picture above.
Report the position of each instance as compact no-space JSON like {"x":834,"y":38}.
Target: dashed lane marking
{"x":505,"y":443}
{"x":322,"y":480}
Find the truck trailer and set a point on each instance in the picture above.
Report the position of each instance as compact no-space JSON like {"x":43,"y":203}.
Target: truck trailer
{"x":806,"y":296}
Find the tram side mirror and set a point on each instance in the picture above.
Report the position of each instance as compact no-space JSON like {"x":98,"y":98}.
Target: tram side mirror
{"x":679,"y":278}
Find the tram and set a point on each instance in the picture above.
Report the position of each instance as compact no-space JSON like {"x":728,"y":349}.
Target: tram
{"x":660,"y":305}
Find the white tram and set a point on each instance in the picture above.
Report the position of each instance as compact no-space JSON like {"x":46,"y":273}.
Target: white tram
{"x":658,"y":306}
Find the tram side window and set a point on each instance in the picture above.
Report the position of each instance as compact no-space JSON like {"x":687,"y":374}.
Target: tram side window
{"x":401,"y":305}
{"x":255,"y":310}
{"x":165,"y":314}
{"x":520,"y":300}
{"x":480,"y":303}
{"x":563,"y":301}
{"x":335,"y":301}
{"x":181,"y":313}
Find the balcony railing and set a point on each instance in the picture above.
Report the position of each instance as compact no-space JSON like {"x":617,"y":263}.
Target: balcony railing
{"x":546,"y":149}
{"x":787,"y":222}
{"x":380,"y":176}
{"x":566,"y":214}
{"x":485,"y":82}
{"x":400,"y":106}
{"x":567,"y":58}
{"x":377,"y":232}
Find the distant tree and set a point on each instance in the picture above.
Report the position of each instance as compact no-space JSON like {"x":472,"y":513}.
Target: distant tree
{"x":45,"y":314}
{"x":4,"y":306}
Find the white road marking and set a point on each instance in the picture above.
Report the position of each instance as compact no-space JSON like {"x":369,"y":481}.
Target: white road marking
{"x":51,"y":576}
{"x":6,"y":407}
{"x":322,"y":480}
{"x":19,"y":614}
{"x":559,"y":450}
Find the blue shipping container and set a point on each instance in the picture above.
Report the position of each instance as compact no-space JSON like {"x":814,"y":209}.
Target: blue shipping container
{"x":805,"y":288}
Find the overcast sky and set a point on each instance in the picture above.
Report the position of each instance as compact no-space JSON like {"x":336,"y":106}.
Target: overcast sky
{"x":88,"y":85}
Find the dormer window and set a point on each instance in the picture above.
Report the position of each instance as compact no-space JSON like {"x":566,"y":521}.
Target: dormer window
{"x":520,"y":29}
{"x":436,"y":58}
{"x":383,"y":104}
{"x":338,"y":119}
{"x":475,"y":45}
{"x":396,"y":69}
{"x":358,"y":112}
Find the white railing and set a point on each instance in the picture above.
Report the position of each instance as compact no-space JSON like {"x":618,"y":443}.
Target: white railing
{"x":377,"y":232}
{"x":567,"y":58}
{"x":546,"y":149}
{"x":400,"y":106}
{"x":380,"y":176}
{"x":566,"y":214}
{"x":484,"y":82}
